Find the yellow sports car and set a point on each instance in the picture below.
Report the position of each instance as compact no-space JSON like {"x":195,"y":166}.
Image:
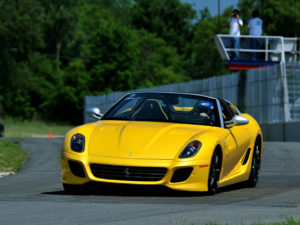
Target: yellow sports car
{"x":183,"y":141}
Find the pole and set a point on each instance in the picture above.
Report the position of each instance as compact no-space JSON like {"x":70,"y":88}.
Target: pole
{"x":219,"y":23}
{"x":262,"y":10}
{"x":296,"y":18}
{"x":242,"y":90}
{"x":286,"y":104}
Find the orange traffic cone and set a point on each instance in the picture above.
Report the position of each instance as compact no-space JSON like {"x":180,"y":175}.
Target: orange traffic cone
{"x":50,"y":135}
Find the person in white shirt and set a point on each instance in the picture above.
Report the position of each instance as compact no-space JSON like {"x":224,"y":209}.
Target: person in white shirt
{"x":235,"y":22}
{"x":255,"y":29}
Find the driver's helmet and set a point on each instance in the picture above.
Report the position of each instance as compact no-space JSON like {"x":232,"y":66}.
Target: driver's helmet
{"x":205,"y":106}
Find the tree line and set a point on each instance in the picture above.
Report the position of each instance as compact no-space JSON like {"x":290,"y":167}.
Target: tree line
{"x":55,"y":52}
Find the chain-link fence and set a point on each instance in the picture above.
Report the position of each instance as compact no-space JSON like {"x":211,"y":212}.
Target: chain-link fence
{"x":293,"y":81}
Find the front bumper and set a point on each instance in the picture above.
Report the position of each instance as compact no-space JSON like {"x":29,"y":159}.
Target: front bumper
{"x":196,"y":181}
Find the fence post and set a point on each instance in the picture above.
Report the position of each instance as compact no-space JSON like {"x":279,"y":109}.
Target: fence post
{"x":286,"y":108}
{"x":242,"y":90}
{"x":284,"y":84}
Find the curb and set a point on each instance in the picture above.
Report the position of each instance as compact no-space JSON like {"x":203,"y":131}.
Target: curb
{"x":3,"y":174}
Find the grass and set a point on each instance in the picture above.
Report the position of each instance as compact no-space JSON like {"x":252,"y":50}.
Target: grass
{"x":12,"y":156}
{"x":288,"y":221}
{"x":26,"y":129}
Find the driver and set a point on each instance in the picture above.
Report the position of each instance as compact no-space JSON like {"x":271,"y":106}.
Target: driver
{"x":204,"y":109}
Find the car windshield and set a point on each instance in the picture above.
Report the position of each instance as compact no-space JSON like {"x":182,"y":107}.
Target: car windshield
{"x":166,"y":107}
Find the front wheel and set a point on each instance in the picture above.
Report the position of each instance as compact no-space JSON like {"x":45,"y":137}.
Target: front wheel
{"x":255,"y":166}
{"x":214,"y":173}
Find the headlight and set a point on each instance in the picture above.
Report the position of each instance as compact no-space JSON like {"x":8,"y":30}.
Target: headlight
{"x":191,"y":149}
{"x":77,"y":143}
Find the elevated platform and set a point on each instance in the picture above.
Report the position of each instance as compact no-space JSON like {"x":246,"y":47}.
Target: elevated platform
{"x":260,"y":51}
{"x":272,"y":50}
{"x":248,"y":65}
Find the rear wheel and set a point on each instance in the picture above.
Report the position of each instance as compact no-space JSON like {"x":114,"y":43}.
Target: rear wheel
{"x":214,"y":173}
{"x":255,"y":166}
{"x":73,"y":188}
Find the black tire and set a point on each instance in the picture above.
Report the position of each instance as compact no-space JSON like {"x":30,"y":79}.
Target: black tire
{"x":74,"y":189}
{"x":1,"y":130}
{"x":214,"y":173}
{"x":255,"y":165}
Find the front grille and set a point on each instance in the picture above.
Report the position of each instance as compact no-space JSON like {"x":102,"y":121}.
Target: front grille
{"x":128,"y":172}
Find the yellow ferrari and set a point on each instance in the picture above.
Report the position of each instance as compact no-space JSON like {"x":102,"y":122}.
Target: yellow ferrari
{"x":182,"y":141}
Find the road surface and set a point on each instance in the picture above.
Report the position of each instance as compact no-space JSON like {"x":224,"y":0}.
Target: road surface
{"x":35,"y":195}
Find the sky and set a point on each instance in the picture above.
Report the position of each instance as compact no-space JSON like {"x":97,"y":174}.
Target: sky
{"x":212,"y":5}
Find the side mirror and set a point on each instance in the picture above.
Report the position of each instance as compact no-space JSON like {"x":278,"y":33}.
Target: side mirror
{"x":94,"y":113}
{"x":236,"y":121}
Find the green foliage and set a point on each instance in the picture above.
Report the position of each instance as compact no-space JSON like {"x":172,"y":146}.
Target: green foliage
{"x":60,"y":20}
{"x":288,"y":221}
{"x":54,"y":52}
{"x":203,"y":59}
{"x":279,"y":17}
{"x":158,"y":63}
{"x":21,"y":27}
{"x":168,"y":19}
{"x":113,"y":56}
{"x":21,"y":34}
{"x":65,"y":100}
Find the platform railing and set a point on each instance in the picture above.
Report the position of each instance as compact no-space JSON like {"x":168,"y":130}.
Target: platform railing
{"x":273,"y":48}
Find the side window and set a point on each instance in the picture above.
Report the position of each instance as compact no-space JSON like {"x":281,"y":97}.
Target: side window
{"x":125,"y":107}
{"x":233,"y":109}
{"x":227,"y":114}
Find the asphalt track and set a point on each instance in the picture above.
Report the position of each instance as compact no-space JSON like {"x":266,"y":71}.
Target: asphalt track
{"x":35,"y":195}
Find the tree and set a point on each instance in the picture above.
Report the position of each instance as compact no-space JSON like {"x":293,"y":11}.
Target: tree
{"x":158,"y":63}
{"x":21,"y":34}
{"x":202,"y":59}
{"x":61,"y":21}
{"x":65,"y":100}
{"x":119,"y":57}
{"x":168,"y":19}
{"x":279,"y":17}
{"x":111,"y":56}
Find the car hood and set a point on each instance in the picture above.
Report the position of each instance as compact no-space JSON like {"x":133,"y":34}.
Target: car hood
{"x":141,"y":140}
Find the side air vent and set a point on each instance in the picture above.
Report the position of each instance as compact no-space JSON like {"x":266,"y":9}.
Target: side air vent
{"x":76,"y":169}
{"x":181,"y":175}
{"x":246,"y":157}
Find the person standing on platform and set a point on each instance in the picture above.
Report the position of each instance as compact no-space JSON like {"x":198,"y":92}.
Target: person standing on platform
{"x":235,"y":22}
{"x":255,"y":29}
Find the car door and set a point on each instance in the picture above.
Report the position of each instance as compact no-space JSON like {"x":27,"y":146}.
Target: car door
{"x":237,"y":140}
